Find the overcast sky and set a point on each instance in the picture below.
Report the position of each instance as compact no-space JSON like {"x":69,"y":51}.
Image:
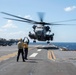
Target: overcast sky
{"x":55,"y":10}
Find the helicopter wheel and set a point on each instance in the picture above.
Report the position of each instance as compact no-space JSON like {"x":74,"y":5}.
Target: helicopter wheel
{"x":34,"y":41}
{"x":48,"y":42}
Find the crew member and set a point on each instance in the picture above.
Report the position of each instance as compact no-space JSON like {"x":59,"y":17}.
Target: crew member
{"x":25,"y":50}
{"x":20,"y":50}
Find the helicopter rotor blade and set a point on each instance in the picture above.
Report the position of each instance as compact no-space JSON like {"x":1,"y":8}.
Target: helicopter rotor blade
{"x":64,"y":21}
{"x":62,"y":24}
{"x":19,"y":20}
{"x":41,"y":16}
{"x":38,"y":22}
{"x":19,"y":17}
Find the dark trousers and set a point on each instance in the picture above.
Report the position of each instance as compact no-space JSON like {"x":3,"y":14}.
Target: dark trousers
{"x":20,"y":51}
{"x":26,"y":53}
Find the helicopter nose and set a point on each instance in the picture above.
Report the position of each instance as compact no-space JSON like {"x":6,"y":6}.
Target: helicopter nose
{"x":38,"y":32}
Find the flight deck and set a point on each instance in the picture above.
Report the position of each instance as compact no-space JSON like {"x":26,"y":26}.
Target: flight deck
{"x":42,"y":60}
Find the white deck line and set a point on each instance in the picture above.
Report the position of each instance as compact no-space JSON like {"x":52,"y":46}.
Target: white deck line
{"x":33,"y":55}
{"x":39,"y":49}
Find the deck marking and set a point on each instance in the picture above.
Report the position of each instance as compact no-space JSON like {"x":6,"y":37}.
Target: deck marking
{"x":37,"y":46}
{"x":39,"y":49}
{"x":5,"y":57}
{"x":51,"y":55}
{"x":33,"y":55}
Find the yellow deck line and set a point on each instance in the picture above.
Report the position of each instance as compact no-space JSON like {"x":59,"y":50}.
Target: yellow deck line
{"x":5,"y":57}
{"x":51,"y":55}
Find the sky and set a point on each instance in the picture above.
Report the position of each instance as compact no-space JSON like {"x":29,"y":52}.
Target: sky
{"x":55,"y":10}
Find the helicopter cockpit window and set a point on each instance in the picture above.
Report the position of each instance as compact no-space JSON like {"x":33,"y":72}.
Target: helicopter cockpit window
{"x":39,"y":28}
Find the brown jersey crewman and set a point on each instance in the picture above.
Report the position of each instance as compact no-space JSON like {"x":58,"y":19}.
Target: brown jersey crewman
{"x":20,"y":50}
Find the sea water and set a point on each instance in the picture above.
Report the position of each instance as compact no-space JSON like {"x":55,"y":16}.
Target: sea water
{"x":69,"y":46}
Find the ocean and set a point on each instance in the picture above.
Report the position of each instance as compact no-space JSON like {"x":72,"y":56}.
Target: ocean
{"x":69,"y":46}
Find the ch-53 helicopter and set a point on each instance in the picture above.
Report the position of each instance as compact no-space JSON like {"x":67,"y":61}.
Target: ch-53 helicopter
{"x":40,"y":28}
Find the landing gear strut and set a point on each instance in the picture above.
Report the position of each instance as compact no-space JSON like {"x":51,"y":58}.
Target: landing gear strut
{"x":34,"y":41}
{"x":48,"y":42}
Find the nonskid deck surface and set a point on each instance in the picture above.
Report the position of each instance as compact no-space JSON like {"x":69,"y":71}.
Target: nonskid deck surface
{"x":42,"y":60}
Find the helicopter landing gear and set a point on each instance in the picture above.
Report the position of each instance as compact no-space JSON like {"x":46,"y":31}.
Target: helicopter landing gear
{"x":48,"y":42}
{"x":34,"y":41}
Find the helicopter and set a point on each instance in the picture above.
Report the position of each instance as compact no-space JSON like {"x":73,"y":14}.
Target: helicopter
{"x":40,"y":28}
